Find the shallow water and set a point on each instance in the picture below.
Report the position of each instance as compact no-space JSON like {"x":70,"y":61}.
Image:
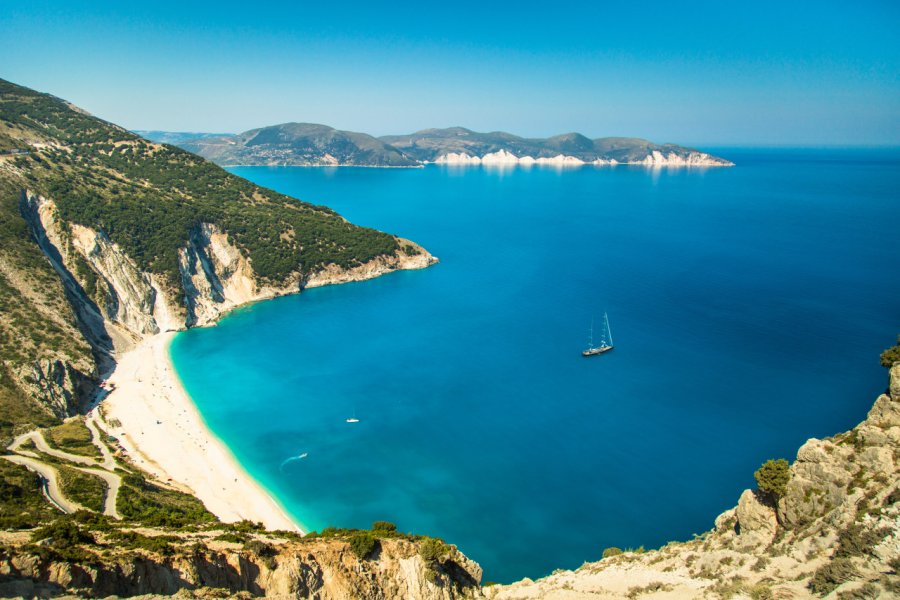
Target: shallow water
{"x":748,"y":306}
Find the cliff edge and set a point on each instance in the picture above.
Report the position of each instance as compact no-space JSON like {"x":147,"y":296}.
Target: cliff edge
{"x":834,"y":532}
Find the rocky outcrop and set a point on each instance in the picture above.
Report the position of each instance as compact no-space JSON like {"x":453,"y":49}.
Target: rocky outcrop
{"x":756,"y":521}
{"x":504,"y":157}
{"x":57,"y":384}
{"x":654,"y":159}
{"x":319,"y":569}
{"x":692,"y":159}
{"x":411,"y":256}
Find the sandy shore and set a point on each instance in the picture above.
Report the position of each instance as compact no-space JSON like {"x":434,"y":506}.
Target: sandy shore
{"x":163,"y":433}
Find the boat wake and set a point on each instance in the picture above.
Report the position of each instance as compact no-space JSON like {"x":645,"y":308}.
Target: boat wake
{"x":292,"y":459}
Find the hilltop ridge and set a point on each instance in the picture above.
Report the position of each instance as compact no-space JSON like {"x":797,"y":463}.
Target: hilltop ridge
{"x":307,"y":144}
{"x":298,"y":144}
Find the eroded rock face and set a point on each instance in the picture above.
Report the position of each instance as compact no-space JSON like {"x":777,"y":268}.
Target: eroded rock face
{"x":56,"y":383}
{"x":756,"y":520}
{"x":324,"y":569}
{"x":693,"y":159}
{"x":128,"y":304}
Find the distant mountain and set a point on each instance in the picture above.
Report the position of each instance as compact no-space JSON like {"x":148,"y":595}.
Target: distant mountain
{"x":460,"y":145}
{"x":175,"y":137}
{"x":306,"y":144}
{"x":298,"y":144}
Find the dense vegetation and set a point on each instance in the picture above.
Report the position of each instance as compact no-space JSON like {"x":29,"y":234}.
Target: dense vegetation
{"x":87,"y":490}
{"x":149,"y":198}
{"x":149,"y":504}
{"x":21,"y":504}
{"x":891,"y":355}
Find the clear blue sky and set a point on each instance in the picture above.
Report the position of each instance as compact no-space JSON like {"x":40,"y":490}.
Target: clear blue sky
{"x":695,"y":72}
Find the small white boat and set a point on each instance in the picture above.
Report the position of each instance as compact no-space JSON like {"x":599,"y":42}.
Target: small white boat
{"x":304,"y":455}
{"x":353,"y":420}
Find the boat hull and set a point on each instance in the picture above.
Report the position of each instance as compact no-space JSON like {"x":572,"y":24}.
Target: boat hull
{"x":596,"y":351}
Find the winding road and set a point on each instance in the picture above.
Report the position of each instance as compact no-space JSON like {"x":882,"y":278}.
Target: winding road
{"x":51,"y":482}
{"x":99,"y":468}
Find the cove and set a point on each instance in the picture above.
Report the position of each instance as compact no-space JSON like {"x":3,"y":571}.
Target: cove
{"x":748,"y":304}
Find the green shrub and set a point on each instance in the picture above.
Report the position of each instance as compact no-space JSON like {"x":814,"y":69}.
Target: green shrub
{"x":245,"y":526}
{"x":362,"y":543}
{"x":260,"y":548}
{"x":867,"y":591}
{"x":383,"y":527}
{"x":611,"y":551}
{"x":891,"y":355}
{"x":857,"y":540}
{"x":158,"y":544}
{"x":62,"y":533}
{"x":432,"y":549}
{"x":773,"y":477}
{"x":264,"y":551}
{"x":85,"y":489}
{"x":761,"y":591}
{"x":831,"y":575}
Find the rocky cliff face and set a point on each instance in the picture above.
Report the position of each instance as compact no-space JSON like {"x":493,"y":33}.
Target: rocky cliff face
{"x":118,"y":304}
{"x":687,"y":159}
{"x":321,"y":569}
{"x":834,"y":533}
{"x":653,"y":159}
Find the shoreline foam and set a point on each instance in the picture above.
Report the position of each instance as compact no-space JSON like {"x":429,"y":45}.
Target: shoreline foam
{"x":163,"y":432}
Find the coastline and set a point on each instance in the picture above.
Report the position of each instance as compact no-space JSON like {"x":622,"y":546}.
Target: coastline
{"x":161,"y":430}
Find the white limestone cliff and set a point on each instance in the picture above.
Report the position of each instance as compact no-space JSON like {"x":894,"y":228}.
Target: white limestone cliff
{"x":653,"y":159}
{"x":694,"y":159}
{"x":505,"y":157}
{"x":129,"y":304}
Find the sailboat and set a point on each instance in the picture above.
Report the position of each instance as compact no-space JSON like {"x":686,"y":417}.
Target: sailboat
{"x":604,"y":346}
{"x":353,"y":419}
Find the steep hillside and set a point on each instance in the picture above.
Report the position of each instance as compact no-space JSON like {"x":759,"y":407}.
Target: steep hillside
{"x":463,"y":146}
{"x":108,"y":238}
{"x":298,"y":144}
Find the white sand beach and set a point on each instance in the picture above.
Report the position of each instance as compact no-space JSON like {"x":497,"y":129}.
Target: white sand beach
{"x":159,"y":427}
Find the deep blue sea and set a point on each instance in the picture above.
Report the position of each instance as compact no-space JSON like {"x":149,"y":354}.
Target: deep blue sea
{"x":748,"y":307}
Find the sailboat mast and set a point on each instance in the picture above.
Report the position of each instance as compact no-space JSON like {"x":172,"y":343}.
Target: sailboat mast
{"x":591,"y":335}
{"x":608,"y":330}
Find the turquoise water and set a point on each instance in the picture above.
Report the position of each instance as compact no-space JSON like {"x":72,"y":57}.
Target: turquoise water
{"x":748,"y":306}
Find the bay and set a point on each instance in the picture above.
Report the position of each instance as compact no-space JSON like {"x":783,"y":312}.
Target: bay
{"x":748,"y":305}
